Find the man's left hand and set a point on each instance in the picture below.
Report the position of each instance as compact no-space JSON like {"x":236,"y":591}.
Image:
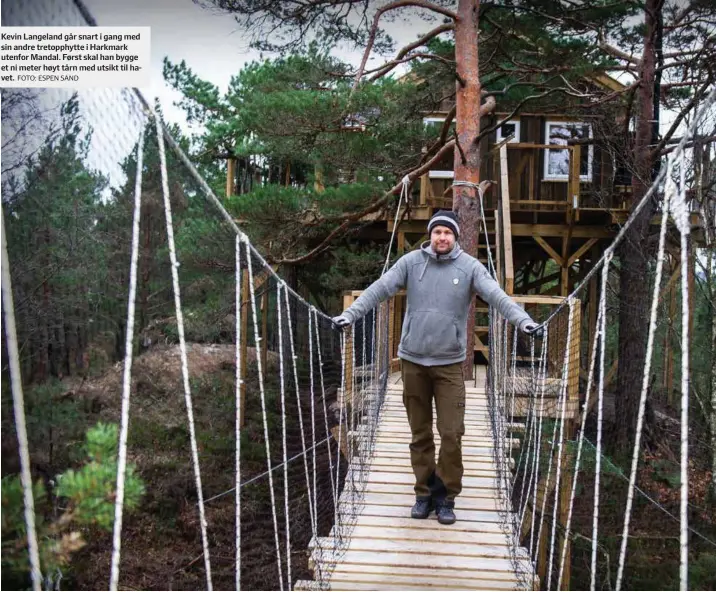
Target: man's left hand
{"x":341,"y":322}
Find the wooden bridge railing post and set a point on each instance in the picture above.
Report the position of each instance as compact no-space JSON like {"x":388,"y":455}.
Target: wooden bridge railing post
{"x":570,"y":430}
{"x":348,"y":299}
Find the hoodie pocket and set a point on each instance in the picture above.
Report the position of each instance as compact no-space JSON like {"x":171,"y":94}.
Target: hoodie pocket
{"x":432,"y":334}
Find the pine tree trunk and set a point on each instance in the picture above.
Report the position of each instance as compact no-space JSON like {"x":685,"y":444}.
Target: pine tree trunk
{"x":634,"y":292}
{"x":467,"y":155}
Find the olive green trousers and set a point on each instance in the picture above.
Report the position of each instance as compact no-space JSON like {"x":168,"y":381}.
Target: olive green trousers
{"x":445,"y":385}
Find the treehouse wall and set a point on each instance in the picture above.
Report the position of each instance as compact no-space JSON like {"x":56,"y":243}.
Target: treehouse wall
{"x":537,"y":173}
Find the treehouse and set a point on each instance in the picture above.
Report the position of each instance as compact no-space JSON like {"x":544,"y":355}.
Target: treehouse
{"x":558,"y":197}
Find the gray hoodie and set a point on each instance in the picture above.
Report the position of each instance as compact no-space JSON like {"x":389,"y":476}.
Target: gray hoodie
{"x":439,"y":289}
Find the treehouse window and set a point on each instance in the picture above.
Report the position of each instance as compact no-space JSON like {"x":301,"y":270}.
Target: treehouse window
{"x":556,"y":162}
{"x":443,"y":169}
{"x":507,"y":129}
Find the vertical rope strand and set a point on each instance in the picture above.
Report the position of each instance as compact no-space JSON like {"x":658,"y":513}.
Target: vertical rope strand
{"x":18,"y":405}
{"x":294,"y":359}
{"x":354,"y":453}
{"x":403,"y":195}
{"x":182,"y":349}
{"x":127,"y":375}
{"x":336,"y":516}
{"x":480,"y":195}
{"x":681,"y":216}
{"x":313,"y":420}
{"x":600,"y":416}
{"x":283,"y":433}
{"x":334,"y":487}
{"x":257,"y":342}
{"x":238,"y":409}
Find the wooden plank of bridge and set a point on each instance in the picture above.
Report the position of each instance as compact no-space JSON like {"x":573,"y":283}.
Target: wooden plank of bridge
{"x":388,"y":550}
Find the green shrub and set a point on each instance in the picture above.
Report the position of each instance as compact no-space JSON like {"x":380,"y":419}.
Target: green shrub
{"x":85,"y":497}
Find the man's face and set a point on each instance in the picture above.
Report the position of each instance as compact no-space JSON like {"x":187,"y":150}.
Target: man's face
{"x":442,"y":240}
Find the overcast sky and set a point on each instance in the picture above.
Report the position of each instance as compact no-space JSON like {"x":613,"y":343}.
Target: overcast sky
{"x":211,"y":43}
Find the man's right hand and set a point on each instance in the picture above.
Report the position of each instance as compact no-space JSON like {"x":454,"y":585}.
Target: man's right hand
{"x":341,"y":321}
{"x":534,"y":329}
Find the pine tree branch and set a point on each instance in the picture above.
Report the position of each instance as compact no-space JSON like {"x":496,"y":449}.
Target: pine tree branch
{"x":698,"y":95}
{"x":385,"y":68}
{"x":444,"y":132}
{"x":374,"y":28}
{"x":463,"y":158}
{"x":347,"y":219}
{"x":618,"y":53}
{"x":488,"y":106}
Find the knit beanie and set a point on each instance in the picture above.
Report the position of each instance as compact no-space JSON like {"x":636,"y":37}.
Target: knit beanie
{"x":445,"y":218}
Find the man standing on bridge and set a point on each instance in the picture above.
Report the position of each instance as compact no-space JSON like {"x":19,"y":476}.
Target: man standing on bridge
{"x":441,"y":281}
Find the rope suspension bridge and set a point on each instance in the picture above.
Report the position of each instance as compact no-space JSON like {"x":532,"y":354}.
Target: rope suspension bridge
{"x":321,"y":454}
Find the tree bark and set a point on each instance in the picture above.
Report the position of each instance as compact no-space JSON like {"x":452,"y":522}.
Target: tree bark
{"x":467,"y":154}
{"x":634,"y":255}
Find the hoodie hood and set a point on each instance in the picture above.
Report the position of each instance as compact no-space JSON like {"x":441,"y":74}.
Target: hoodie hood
{"x":427,"y":248}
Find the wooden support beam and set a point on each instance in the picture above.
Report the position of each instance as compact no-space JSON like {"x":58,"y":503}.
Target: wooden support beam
{"x":230,"y":176}
{"x":582,"y":250}
{"x":506,"y":223}
{"x":347,"y":388}
{"x":318,"y":185}
{"x":426,"y":190}
{"x":411,"y":246}
{"x":574,"y":353}
{"x":538,"y":299}
{"x":498,"y":245}
{"x":541,"y":281}
{"x":401,"y":243}
{"x":612,"y":373}
{"x":672,"y":280}
{"x":549,"y":250}
{"x":260,"y":278}
{"x":561,"y":230}
{"x":481,"y":347}
{"x":564,"y":280}
{"x":264,"y":330}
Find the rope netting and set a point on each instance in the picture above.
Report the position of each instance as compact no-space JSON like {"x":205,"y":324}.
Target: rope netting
{"x":550,"y":399}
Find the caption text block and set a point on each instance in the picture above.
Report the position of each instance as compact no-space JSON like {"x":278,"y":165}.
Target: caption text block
{"x":74,"y":57}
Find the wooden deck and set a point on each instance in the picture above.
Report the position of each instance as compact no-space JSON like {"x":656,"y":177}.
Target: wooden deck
{"x":388,"y":550}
